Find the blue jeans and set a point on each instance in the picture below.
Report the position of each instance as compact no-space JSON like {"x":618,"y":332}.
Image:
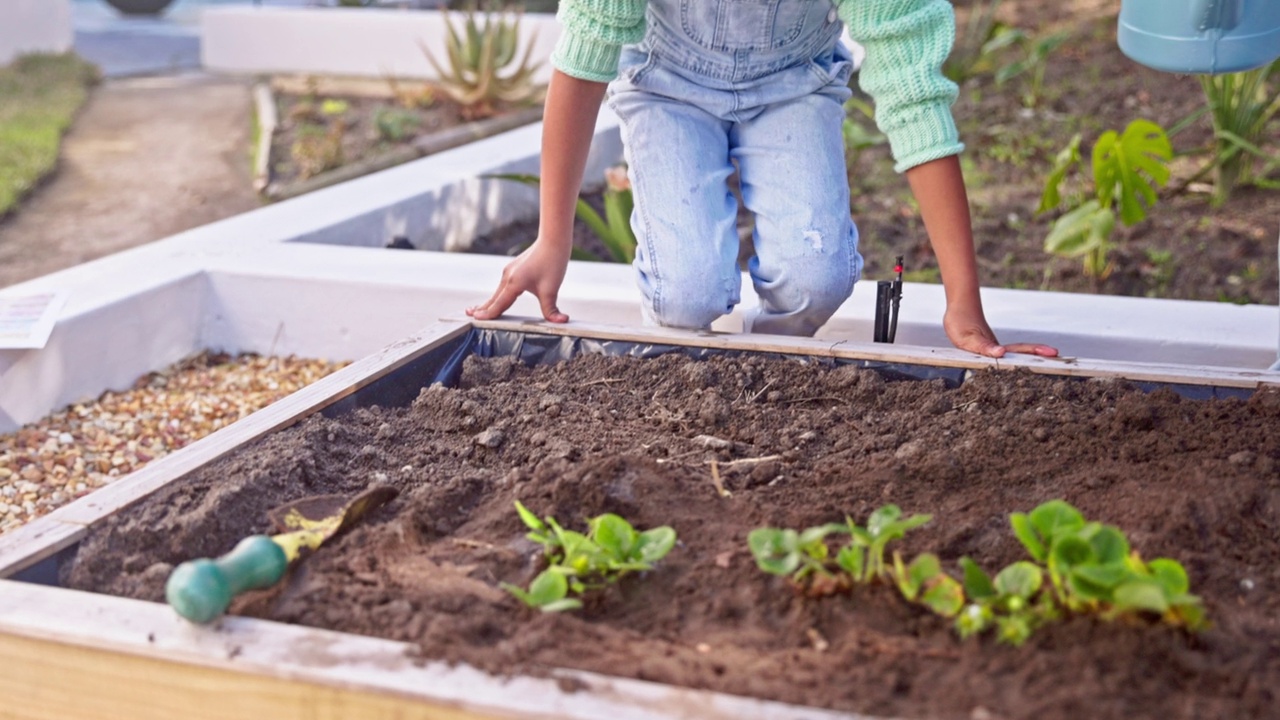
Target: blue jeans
{"x":759,"y":84}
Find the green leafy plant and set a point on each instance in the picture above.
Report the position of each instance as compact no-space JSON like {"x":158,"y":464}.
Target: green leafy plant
{"x":1241,"y":106}
{"x":1033,"y":62}
{"x":802,"y":555}
{"x":795,"y":554}
{"x":579,"y":562}
{"x":1008,"y":602}
{"x":481,"y":57}
{"x":1092,"y":568}
{"x":317,"y":149}
{"x":334,"y":107}
{"x":614,"y":228}
{"x":972,"y":55}
{"x":924,"y":581}
{"x":1126,"y":167}
{"x":395,"y":124}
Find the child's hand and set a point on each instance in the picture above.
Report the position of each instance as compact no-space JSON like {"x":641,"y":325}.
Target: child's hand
{"x":539,"y":270}
{"x":968,"y":330}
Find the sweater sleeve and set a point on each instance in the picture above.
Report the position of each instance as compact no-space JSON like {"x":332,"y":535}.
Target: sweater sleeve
{"x":592,"y":35}
{"x":906,"y":43}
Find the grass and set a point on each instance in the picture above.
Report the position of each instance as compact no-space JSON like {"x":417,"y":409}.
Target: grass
{"x":39,"y":97}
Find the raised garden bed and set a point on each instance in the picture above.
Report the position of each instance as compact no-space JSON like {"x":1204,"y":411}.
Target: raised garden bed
{"x":318,"y":133}
{"x":796,"y":440}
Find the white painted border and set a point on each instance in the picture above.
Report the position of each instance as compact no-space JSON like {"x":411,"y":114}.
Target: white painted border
{"x":358,"y":42}
{"x":34,"y":26}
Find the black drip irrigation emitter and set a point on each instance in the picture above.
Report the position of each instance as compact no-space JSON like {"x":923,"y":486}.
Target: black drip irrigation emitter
{"x":888,"y":301}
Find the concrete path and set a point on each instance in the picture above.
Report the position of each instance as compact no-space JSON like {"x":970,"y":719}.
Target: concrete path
{"x":147,"y":158}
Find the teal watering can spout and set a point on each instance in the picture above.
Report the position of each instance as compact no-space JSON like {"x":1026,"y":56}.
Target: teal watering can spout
{"x":1200,"y":36}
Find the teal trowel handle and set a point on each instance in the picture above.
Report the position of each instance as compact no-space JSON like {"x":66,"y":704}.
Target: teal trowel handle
{"x":201,"y":590}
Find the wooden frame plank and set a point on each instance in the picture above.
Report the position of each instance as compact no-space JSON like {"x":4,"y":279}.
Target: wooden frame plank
{"x":45,"y":536}
{"x":909,"y":354}
{"x":74,"y":654}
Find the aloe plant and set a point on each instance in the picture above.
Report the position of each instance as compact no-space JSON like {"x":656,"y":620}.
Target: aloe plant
{"x":1241,"y":106}
{"x":479,"y":57}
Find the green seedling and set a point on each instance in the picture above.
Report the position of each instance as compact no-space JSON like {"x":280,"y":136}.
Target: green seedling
{"x":924,"y":581}
{"x":1127,"y":168}
{"x":579,"y":562}
{"x":793,"y":554}
{"x":1092,"y":568}
{"x":1034,"y":60}
{"x":883,"y":527}
{"x":1008,"y":602}
{"x":804,"y":555}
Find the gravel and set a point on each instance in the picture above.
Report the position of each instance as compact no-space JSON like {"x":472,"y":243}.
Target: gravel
{"x":85,"y":446}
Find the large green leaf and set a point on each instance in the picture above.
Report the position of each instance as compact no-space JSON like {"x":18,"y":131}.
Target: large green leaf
{"x":1127,"y":168}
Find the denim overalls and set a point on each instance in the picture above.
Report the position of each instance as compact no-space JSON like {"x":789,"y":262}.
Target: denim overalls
{"x":760,"y":84}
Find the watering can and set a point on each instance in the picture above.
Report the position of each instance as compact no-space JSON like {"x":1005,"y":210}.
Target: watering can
{"x":1200,"y":36}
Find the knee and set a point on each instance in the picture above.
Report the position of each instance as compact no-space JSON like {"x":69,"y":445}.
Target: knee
{"x":688,"y":303}
{"x":686,"y":311}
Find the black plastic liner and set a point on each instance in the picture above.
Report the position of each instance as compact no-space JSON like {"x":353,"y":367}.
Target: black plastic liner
{"x":444,"y":365}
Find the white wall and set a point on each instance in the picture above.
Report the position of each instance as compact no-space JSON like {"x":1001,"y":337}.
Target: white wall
{"x":28,"y":26}
{"x":343,"y":41}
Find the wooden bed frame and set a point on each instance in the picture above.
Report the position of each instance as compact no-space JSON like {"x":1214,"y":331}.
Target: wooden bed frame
{"x":70,"y":654}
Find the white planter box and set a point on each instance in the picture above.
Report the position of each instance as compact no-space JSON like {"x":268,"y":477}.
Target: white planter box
{"x":357,"y":42}
{"x":34,"y":26}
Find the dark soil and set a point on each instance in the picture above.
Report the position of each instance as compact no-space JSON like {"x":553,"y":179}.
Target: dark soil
{"x":803,"y":444}
{"x":1185,"y":249}
{"x":320,"y":132}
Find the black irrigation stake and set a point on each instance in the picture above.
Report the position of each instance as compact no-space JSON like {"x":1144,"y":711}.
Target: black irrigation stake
{"x":888,"y":302}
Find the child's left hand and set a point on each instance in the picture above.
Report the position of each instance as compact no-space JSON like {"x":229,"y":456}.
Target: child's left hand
{"x":968,"y":330}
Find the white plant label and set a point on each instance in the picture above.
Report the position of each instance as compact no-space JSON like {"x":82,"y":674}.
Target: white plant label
{"x":26,"y":321}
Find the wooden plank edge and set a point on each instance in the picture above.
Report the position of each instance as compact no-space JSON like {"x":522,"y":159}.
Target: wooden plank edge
{"x":46,"y":535}
{"x":911,"y":354}
{"x":65,"y":651}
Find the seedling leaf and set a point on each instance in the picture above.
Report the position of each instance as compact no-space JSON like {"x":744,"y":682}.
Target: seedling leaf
{"x":1027,"y":535}
{"x":1056,"y":517}
{"x":1141,"y":594}
{"x":775,"y":550}
{"x":882,"y":518}
{"x":655,"y":543}
{"x":1021,"y":579}
{"x":1171,"y":576}
{"x":614,"y":535}
{"x":944,"y":596}
{"x":1109,"y":545}
{"x":529,"y":518}
{"x":977,"y":583}
{"x":851,"y":558}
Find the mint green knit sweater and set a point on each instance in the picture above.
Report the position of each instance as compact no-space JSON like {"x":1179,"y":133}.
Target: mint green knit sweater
{"x":906,"y":42}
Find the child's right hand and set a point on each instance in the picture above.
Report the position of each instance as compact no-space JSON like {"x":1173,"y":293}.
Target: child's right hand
{"x":539,"y":270}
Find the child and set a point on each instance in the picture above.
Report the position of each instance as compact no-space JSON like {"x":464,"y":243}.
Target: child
{"x":701,"y":85}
